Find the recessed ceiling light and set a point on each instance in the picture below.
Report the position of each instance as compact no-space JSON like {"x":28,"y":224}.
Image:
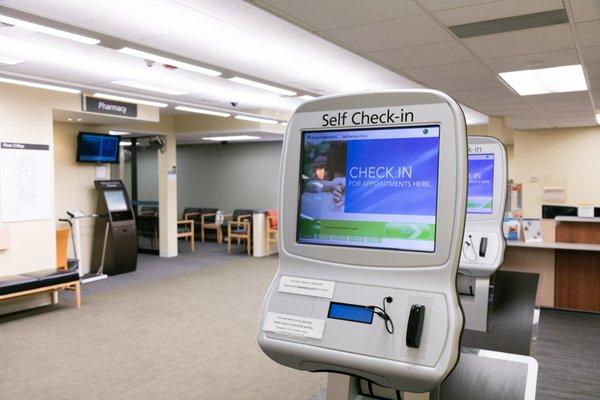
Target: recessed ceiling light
{"x":202,"y":111}
{"x":39,"y":85}
{"x":79,"y":120}
{"x":122,"y":143}
{"x":230,"y":138}
{"x":146,"y":86}
{"x":568,"y":78}
{"x":307,"y":97}
{"x":283,"y":123}
{"x":10,"y":60}
{"x":118,"y":133}
{"x":262,"y":86}
{"x":169,"y":61}
{"x":598,"y":118}
{"x":47,"y":30}
{"x":256,"y":119}
{"x":69,"y":119}
{"x":129,"y":99}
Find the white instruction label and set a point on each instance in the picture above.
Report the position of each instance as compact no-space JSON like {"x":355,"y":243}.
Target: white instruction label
{"x":306,"y":286}
{"x":292,"y":325}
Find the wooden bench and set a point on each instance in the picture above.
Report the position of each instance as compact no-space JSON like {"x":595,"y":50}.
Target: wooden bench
{"x":48,"y":280}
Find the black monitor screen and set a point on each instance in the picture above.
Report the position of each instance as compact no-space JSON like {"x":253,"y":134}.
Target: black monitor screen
{"x":98,"y":148}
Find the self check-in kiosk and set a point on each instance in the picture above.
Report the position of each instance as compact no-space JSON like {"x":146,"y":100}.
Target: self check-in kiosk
{"x":484,"y":243}
{"x":372,"y":207}
{"x":115,"y":235}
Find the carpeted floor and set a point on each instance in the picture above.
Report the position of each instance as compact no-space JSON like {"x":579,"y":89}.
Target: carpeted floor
{"x":185,"y":328}
{"x":182,"y":328}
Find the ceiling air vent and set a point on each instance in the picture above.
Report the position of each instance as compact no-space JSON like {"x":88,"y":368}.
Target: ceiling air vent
{"x":510,"y":24}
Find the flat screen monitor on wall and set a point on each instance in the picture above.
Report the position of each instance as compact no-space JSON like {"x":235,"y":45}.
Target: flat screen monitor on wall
{"x":373,"y":188}
{"x":97,"y":148}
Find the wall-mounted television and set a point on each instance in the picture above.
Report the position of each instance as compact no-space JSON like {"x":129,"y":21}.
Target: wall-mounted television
{"x":97,"y":148}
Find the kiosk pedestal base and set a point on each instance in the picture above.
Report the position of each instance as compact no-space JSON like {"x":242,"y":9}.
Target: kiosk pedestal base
{"x":479,"y":375}
{"x":511,"y":327}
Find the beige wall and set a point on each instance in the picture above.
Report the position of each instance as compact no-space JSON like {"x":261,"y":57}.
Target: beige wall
{"x":26,"y":116}
{"x":554,"y":154}
{"x":74,"y":188}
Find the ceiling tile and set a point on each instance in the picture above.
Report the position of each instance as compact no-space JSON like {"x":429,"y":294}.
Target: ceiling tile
{"x":474,"y":82}
{"x":595,"y":83}
{"x":230,"y":11}
{"x":525,"y":124}
{"x":527,"y":41}
{"x":591,"y":55}
{"x":427,"y":55}
{"x":588,"y":33}
{"x":130,"y":30}
{"x":596,"y":96}
{"x":593,"y":70}
{"x":446,"y":71}
{"x":533,"y":60}
{"x":495,"y":10}
{"x":392,"y":34}
{"x":476,"y":95}
{"x":331,"y":14}
{"x":271,"y":26}
{"x":572,"y":97}
{"x":585,"y":10}
{"x":62,"y":10}
{"x":437,"y":5}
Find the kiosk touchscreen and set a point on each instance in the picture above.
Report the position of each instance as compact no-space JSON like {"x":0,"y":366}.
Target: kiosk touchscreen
{"x":372,"y":207}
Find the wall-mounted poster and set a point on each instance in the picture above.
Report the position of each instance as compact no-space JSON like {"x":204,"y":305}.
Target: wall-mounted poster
{"x":26,"y":182}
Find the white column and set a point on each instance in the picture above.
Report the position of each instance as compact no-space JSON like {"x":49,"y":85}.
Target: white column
{"x":167,"y":197}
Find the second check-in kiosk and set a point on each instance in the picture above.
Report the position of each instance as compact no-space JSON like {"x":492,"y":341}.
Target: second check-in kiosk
{"x":484,"y":244}
{"x":115,"y":235}
{"x":373,"y":195}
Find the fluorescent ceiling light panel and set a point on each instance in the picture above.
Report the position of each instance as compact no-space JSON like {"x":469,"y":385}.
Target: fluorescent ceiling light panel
{"x":283,"y":123}
{"x":169,"y":61}
{"x":118,"y":133}
{"x":129,"y":100}
{"x":262,"y":86}
{"x":307,"y":97}
{"x":231,"y":138}
{"x":47,"y":30}
{"x":256,"y":119}
{"x":598,"y":118}
{"x":39,"y":85}
{"x":568,"y":78}
{"x":202,"y":111}
{"x":146,"y":86}
{"x":10,"y":60}
{"x":124,"y":144}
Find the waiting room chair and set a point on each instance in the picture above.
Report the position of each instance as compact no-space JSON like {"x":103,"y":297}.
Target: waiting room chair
{"x":149,"y":211}
{"x":147,"y":226}
{"x":185,"y":229}
{"x":240,"y":228}
{"x":208,"y":223}
{"x":196,"y":213}
{"x":272,"y":227}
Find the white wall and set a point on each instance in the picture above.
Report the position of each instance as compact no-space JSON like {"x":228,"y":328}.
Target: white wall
{"x":238,"y":175}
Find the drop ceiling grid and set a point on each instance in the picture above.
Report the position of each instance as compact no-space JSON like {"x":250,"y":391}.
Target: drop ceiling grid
{"x":438,"y":64}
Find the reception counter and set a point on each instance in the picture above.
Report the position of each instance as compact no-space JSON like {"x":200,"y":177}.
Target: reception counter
{"x":569,"y":267}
